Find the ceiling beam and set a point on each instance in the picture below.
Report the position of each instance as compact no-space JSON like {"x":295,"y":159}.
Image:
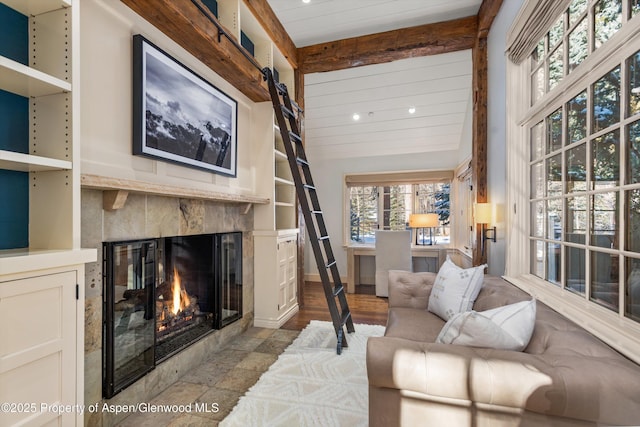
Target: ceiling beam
{"x":269,"y":21}
{"x":487,"y":13}
{"x":186,"y":25}
{"x":423,"y":40}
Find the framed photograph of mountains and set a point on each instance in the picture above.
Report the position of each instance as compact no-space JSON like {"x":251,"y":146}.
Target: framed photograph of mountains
{"x":178,"y":116}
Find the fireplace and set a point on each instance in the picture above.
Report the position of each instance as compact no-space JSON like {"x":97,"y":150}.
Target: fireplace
{"x":162,"y":295}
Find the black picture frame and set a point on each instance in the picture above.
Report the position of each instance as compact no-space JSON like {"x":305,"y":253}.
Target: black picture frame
{"x":180,"y":117}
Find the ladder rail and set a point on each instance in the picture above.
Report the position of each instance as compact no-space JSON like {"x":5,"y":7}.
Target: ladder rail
{"x":310,"y":206}
{"x":297,"y":160}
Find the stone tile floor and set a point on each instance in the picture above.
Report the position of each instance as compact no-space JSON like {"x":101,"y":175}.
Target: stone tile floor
{"x":222,"y":381}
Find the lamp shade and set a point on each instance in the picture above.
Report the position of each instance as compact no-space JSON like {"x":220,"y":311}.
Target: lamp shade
{"x":423,"y":220}
{"x":484,"y":213}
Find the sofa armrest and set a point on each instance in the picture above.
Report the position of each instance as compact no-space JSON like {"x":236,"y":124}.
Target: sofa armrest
{"x":554,"y":386}
{"x":410,"y":290}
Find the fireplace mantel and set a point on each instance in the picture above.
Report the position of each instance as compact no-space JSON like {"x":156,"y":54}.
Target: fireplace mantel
{"x":115,"y":191}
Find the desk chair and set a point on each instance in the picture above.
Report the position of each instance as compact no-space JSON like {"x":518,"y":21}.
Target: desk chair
{"x":393,"y":252}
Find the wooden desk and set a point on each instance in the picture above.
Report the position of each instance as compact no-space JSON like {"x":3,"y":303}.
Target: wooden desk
{"x":439,"y":252}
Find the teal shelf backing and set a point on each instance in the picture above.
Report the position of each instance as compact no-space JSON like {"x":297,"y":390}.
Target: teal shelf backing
{"x":14,"y":35}
{"x":14,"y":135}
{"x":14,"y":211}
{"x":212,"y":5}
{"x":246,"y":43}
{"x":14,"y":122}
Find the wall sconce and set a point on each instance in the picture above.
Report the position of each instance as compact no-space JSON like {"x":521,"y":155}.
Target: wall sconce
{"x":428,"y":220}
{"x":484,"y":214}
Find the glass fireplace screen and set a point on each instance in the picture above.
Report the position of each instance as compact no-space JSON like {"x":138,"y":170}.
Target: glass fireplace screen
{"x":161,"y":295}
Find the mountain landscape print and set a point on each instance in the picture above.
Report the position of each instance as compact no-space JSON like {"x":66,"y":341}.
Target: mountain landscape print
{"x":182,"y":118}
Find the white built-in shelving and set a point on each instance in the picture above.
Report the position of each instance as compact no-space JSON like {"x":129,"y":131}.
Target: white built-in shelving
{"x":50,"y":156}
{"x":36,"y":7}
{"x":28,"y":82}
{"x":45,"y":355}
{"x":29,"y":163}
{"x":276,"y":233}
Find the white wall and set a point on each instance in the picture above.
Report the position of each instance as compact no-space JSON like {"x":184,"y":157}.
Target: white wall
{"x":107,"y":28}
{"x":466,"y":138}
{"x":328,"y":176}
{"x":496,"y":133}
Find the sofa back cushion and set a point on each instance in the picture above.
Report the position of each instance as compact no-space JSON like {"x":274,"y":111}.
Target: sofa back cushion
{"x":497,"y":292}
{"x":553,"y":333}
{"x":556,"y":335}
{"x":410,"y":290}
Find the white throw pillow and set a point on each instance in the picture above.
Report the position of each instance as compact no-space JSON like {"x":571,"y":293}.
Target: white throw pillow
{"x":505,"y":328}
{"x":455,"y":289}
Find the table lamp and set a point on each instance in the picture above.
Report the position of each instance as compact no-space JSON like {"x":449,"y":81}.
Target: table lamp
{"x":426,"y":220}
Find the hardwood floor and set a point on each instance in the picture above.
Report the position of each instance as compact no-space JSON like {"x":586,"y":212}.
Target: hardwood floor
{"x":365,"y":307}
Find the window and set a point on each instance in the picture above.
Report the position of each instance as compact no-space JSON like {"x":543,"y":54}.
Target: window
{"x":387,"y":207}
{"x":583,"y":144}
{"x":572,"y":39}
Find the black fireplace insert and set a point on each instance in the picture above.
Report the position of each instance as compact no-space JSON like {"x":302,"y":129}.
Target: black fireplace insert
{"x":162,"y":295}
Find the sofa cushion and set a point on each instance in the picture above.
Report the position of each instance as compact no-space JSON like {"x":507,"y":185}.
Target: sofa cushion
{"x":455,"y":289}
{"x":409,"y":289}
{"x":507,"y":328}
{"x":497,"y":292}
{"x":413,"y":324}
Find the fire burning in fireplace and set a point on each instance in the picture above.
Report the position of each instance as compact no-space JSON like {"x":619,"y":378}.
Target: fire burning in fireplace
{"x":175,"y":308}
{"x":181,"y":299}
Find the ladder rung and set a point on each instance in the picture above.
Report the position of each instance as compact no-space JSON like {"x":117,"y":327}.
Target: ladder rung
{"x":302,"y":161}
{"x":281,"y":88}
{"x":323,"y":237}
{"x":316,"y":212}
{"x":295,"y":105}
{"x":295,"y":136}
{"x":309,"y":187}
{"x":337,"y":290}
{"x":331,"y":264}
{"x":345,"y":317}
{"x":287,"y":112}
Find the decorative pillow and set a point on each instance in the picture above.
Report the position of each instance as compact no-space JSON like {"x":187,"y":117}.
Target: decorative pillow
{"x":455,"y":289}
{"x":505,"y":328}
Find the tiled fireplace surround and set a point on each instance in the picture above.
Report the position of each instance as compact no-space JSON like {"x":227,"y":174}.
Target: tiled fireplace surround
{"x":150,"y":216}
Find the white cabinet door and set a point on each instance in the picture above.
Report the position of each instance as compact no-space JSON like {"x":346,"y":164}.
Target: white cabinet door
{"x":38,"y":350}
{"x":292,"y":269}
{"x":283,"y":299}
{"x":287,"y":268}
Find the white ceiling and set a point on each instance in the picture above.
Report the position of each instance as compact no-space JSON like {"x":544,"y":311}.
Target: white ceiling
{"x":439,"y":86}
{"x":321,"y":21}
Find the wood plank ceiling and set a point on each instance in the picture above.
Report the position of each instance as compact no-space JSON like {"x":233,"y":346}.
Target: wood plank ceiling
{"x":345,"y":36}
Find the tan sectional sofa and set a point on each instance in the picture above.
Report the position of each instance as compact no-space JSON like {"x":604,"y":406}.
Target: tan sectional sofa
{"x":564,"y":377}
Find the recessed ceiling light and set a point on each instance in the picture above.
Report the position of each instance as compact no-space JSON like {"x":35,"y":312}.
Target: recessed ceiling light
{"x":356,"y":117}
{"x":306,"y":1}
{"x":412,"y":110}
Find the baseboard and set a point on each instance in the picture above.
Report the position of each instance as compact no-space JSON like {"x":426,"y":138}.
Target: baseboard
{"x":276,"y":323}
{"x":314,"y":277}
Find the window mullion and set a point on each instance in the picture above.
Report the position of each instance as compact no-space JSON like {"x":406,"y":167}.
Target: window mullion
{"x":622,"y":202}
{"x":591,"y":41}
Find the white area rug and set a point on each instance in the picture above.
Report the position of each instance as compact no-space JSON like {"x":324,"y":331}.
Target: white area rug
{"x":310,"y":385}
